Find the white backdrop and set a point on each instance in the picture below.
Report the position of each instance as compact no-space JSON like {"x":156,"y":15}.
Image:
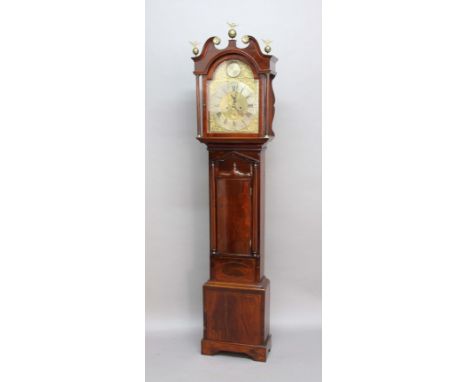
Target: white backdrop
{"x":177,"y":169}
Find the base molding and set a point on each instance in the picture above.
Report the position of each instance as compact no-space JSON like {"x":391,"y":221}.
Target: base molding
{"x":256,"y":352}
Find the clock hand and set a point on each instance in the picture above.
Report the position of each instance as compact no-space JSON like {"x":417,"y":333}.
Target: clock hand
{"x":234,"y":99}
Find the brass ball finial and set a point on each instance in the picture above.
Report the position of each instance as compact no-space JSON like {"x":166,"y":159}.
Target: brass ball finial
{"x":245,"y":39}
{"x":267,"y":48}
{"x":216,"y":40}
{"x":195,"y":49}
{"x":232,"y":31}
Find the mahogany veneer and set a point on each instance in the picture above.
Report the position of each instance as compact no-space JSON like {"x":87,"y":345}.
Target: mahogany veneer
{"x":236,"y":299}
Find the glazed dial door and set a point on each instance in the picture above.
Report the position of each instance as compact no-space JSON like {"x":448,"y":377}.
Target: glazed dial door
{"x":233,"y":96}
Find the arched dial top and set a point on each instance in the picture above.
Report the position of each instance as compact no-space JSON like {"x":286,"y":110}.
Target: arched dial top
{"x":233,"y":99}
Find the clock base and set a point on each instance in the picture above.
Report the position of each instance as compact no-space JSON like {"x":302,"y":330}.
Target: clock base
{"x":236,"y":318}
{"x":256,"y":352}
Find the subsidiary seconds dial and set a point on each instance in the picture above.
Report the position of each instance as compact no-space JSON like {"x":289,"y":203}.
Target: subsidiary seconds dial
{"x":233,"y":69}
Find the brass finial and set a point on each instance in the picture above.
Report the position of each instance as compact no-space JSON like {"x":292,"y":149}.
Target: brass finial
{"x":245,"y":39}
{"x":267,"y":48}
{"x":216,"y":40}
{"x":195,"y":50}
{"x":232,"y":31}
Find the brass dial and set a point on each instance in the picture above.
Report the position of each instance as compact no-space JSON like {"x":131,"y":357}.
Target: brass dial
{"x":236,"y":108}
{"x":233,"y":99}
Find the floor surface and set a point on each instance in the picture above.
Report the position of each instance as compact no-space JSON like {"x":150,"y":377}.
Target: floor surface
{"x":175,"y":356}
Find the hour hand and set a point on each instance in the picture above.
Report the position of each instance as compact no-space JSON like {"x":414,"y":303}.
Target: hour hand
{"x":234,"y":97}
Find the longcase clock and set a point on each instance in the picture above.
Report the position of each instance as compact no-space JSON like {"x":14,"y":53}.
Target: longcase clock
{"x":235,"y":108}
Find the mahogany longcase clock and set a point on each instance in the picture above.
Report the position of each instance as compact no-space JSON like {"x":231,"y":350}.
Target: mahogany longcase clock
{"x":235,"y":108}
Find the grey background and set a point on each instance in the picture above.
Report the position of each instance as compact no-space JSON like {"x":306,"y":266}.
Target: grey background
{"x":177,"y":189}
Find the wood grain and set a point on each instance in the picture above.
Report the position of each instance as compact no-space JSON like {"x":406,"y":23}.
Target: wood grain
{"x":236,"y":299}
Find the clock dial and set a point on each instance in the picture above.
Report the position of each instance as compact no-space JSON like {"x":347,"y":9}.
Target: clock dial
{"x":233,"y":99}
{"x":234,"y":106}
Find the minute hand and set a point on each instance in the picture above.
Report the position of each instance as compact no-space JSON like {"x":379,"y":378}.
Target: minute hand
{"x":234,"y":98}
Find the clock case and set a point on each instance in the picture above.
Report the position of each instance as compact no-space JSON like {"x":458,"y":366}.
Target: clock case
{"x":236,"y":297}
